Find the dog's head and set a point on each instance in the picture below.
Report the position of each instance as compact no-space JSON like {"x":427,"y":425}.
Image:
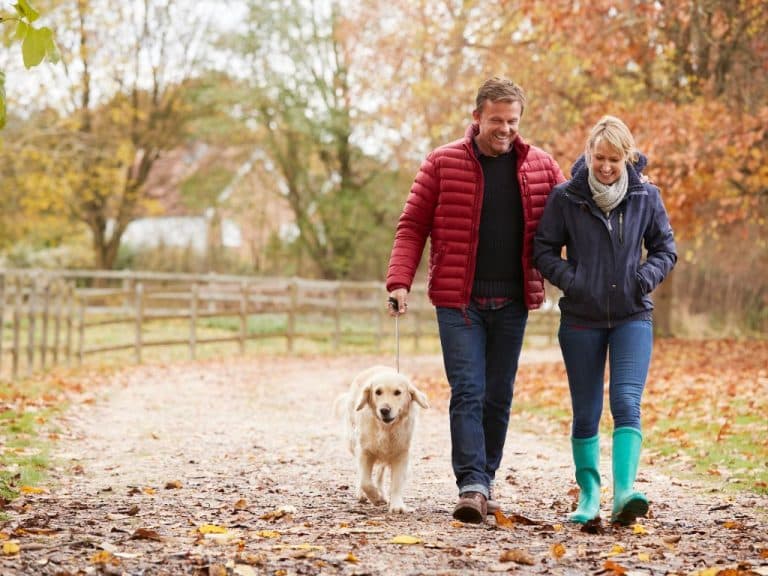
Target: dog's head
{"x":389,"y":396}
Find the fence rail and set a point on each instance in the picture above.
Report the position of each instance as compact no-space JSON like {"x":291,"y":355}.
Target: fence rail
{"x":49,"y":318}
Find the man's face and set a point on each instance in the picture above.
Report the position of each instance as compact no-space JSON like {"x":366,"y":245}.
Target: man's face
{"x":499,"y":123}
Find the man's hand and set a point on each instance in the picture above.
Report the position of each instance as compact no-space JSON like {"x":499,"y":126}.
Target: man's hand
{"x":399,"y":295}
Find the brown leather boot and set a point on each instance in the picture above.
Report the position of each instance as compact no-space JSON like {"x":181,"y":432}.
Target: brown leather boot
{"x":471,"y":508}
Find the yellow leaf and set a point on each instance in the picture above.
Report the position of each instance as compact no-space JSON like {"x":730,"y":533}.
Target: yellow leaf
{"x":558,"y":527}
{"x":639,"y":529}
{"x":10,"y":548}
{"x":104,"y":557}
{"x":457,"y":524}
{"x":268,"y":534}
{"x":643,"y":557}
{"x":148,"y":490}
{"x":211,"y":529}
{"x":708,"y":572}
{"x":557,"y":550}
{"x":305,"y":546}
{"x":351,"y":558}
{"x":31,"y":490}
{"x":617,"y":549}
{"x":405,"y":539}
{"x":241,"y":504}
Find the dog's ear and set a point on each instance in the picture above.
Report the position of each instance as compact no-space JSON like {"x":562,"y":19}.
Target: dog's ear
{"x":418,"y":396}
{"x":363,"y":397}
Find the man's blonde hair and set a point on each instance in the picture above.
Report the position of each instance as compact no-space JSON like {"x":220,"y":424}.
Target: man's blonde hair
{"x":615,"y":133}
{"x":499,"y":89}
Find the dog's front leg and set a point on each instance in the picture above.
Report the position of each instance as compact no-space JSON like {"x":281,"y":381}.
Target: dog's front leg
{"x":366,"y":487}
{"x":399,"y":472}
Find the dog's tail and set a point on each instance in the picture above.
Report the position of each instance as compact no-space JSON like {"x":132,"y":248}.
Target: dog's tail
{"x":340,"y":404}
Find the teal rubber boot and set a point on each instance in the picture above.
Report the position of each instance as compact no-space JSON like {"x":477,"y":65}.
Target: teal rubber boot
{"x":586,"y":458}
{"x":627,"y":503}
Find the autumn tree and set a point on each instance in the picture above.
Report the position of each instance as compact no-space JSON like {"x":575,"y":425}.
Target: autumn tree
{"x":304,"y":102}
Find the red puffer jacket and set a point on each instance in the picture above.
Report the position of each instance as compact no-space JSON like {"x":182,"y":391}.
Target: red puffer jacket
{"x":445,"y":203}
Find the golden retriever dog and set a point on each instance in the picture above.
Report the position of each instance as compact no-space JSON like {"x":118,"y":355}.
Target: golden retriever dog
{"x":381,"y":408}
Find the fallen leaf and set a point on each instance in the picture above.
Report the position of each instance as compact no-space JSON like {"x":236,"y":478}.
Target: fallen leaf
{"x":405,"y":539}
{"x":217,"y":570}
{"x":104,"y":557}
{"x":11,"y":548}
{"x":614,"y":568}
{"x":643,"y":557}
{"x":517,"y":556}
{"x":32,"y":490}
{"x":557,"y":550}
{"x":616,"y":549}
{"x":732,"y":525}
{"x":148,"y":490}
{"x":173,"y":485}
{"x":503,"y":521}
{"x":241,"y":504}
{"x":212,"y":529}
{"x":146,"y":534}
{"x":351,"y":558}
{"x":673,"y":539}
{"x":268,"y":534}
{"x":639,"y":529}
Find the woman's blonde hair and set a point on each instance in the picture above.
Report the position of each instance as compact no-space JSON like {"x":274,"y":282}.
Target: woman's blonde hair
{"x":615,"y":133}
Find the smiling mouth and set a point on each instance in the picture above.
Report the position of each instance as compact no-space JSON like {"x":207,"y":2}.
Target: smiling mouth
{"x":387,"y":419}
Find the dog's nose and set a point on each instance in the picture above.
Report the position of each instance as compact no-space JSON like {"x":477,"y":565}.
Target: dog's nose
{"x":385,"y":411}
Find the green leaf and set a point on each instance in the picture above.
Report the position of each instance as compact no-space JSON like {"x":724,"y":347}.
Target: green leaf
{"x":21,"y":30}
{"x":34,"y":46}
{"x":52,"y":50}
{"x":26,"y":11}
{"x":2,"y":99}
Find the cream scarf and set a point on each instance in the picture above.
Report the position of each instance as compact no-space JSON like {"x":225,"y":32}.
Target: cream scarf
{"x":608,"y":196}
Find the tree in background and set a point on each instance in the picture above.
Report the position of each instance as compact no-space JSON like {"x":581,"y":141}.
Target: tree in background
{"x":305,"y":104}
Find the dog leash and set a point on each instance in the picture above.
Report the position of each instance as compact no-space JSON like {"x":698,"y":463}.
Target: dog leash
{"x":396,"y":308}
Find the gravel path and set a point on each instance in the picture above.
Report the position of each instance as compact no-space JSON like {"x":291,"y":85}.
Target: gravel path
{"x":250,"y":451}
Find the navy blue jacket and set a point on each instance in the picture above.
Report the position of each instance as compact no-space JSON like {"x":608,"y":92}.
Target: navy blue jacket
{"x":605,"y":280}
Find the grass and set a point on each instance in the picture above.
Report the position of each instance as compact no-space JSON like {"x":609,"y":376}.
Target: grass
{"x":25,"y":451}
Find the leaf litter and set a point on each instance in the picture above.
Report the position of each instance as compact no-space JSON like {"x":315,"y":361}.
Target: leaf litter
{"x":262,"y":483}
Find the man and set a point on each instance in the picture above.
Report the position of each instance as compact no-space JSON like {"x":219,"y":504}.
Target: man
{"x":479,"y":199}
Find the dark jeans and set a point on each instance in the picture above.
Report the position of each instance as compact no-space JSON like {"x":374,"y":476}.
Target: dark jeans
{"x":585,"y":350}
{"x":480,"y":352}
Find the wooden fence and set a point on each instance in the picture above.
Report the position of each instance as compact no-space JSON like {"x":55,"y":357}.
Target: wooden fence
{"x":50,"y":318}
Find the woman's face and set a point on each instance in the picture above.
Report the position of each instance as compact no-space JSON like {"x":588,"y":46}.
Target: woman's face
{"x":607,"y":162}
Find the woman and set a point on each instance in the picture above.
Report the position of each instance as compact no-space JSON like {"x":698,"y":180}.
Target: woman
{"x":604,"y":216}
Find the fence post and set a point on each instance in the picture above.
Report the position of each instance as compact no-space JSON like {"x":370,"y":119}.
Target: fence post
{"x":337,"y":319}
{"x":44,"y":328}
{"x":81,"y":333}
{"x":31,"y":305}
{"x":57,"y":292}
{"x":193,"y":321}
{"x":16,"y":328}
{"x":243,"y":315}
{"x":293,"y":291}
{"x":70,"y":292}
{"x":139,"y":310}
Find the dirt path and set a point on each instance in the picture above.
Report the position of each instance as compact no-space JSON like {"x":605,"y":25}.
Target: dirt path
{"x":252,"y":445}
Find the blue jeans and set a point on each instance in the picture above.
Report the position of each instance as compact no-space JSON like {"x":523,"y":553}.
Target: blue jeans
{"x":628,"y":346}
{"x":480,"y":352}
